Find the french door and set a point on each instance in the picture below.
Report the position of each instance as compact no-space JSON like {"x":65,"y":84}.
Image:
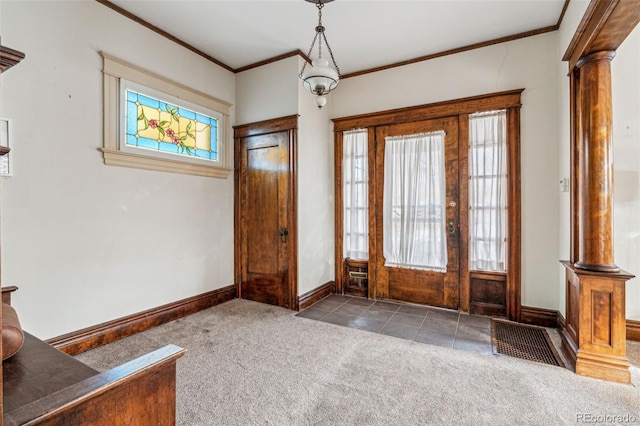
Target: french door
{"x":467,"y":280}
{"x":415,"y":255}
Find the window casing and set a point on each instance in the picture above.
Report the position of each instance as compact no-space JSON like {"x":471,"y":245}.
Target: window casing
{"x":179,"y":147}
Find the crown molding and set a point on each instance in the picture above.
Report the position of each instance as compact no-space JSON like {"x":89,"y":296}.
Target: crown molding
{"x":9,"y":58}
{"x":473,"y":46}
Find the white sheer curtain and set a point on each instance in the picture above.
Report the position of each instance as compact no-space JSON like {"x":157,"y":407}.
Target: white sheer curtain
{"x":487,"y":190}
{"x":355,"y":196}
{"x":414,"y":202}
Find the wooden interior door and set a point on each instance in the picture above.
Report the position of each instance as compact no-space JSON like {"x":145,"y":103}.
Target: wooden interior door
{"x":265,"y":238}
{"x":413,"y":285}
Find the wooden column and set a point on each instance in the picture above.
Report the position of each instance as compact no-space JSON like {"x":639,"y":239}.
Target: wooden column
{"x":595,"y":332}
{"x":595,"y":164}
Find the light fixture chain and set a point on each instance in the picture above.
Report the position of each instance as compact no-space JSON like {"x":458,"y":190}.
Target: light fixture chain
{"x":331,"y":54}
{"x":320,"y":6}
{"x":313,"y":42}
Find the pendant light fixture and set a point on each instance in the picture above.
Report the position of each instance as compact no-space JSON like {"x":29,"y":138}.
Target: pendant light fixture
{"x":320,"y":78}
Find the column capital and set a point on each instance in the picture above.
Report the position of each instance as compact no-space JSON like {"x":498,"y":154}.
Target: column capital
{"x":596,"y":56}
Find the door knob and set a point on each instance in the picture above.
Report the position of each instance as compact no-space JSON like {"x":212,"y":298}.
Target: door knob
{"x":283,"y":234}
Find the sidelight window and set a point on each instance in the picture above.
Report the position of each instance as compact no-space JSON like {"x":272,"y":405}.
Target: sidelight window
{"x":355,"y":186}
{"x":414,"y":202}
{"x":488,"y":191}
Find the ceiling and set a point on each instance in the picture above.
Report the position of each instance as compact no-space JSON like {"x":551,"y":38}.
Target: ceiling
{"x":363,"y":34}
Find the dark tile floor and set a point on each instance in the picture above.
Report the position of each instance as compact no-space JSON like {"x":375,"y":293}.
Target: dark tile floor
{"x":441,"y":327}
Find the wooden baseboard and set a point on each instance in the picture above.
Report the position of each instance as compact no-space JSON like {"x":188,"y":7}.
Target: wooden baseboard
{"x":315,"y":295}
{"x":539,"y":316}
{"x":92,"y":337}
{"x":633,"y":330}
{"x":550,"y":318}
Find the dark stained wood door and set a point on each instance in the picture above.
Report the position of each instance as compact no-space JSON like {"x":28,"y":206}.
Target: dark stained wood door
{"x":416,"y":285}
{"x":264,"y":240}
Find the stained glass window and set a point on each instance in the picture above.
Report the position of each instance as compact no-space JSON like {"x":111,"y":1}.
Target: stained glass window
{"x":154,"y":124}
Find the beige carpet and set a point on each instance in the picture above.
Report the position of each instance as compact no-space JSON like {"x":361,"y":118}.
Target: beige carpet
{"x":254,"y":364}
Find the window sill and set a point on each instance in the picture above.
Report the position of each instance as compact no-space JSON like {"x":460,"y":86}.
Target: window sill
{"x":114,"y":157}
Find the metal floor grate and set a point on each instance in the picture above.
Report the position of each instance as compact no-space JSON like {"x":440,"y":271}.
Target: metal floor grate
{"x":524,"y":341}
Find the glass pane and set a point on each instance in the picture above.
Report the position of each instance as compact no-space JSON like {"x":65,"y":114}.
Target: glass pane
{"x":160,"y":126}
{"x":414,"y":191}
{"x":487,"y":191}
{"x":355,"y":195}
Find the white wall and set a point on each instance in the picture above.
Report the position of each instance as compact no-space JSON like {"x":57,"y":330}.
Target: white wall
{"x":316,"y":200}
{"x":570,"y":22}
{"x":85,"y":242}
{"x":267,"y":92}
{"x":528,"y":63}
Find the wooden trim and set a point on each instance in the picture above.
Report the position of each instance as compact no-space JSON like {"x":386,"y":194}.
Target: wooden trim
{"x":9,"y":58}
{"x":6,"y":294}
{"x":464,"y":289}
{"x":293,"y":217}
{"x":633,"y":330}
{"x":315,"y":295}
{"x":561,"y":321}
{"x":489,"y":275}
{"x":268,"y":126}
{"x":115,"y":157}
{"x":469,"y":105}
{"x":338,"y":152}
{"x":163,"y":33}
{"x":454,"y":51}
{"x":272,"y":60}
{"x":564,"y":10}
{"x":373,"y":214}
{"x":92,"y":337}
{"x":604,"y":26}
{"x":514,"y":213}
{"x":539,"y":316}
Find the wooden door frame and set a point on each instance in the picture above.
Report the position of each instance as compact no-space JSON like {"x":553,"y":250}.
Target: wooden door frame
{"x":282,"y":124}
{"x":461,"y":108}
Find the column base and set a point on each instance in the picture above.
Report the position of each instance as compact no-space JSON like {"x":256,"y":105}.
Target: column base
{"x":594,"y":337}
{"x":597,"y":267}
{"x":607,"y":367}
{"x":597,"y":365}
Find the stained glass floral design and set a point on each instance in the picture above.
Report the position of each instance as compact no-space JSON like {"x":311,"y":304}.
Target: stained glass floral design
{"x":154,"y":124}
